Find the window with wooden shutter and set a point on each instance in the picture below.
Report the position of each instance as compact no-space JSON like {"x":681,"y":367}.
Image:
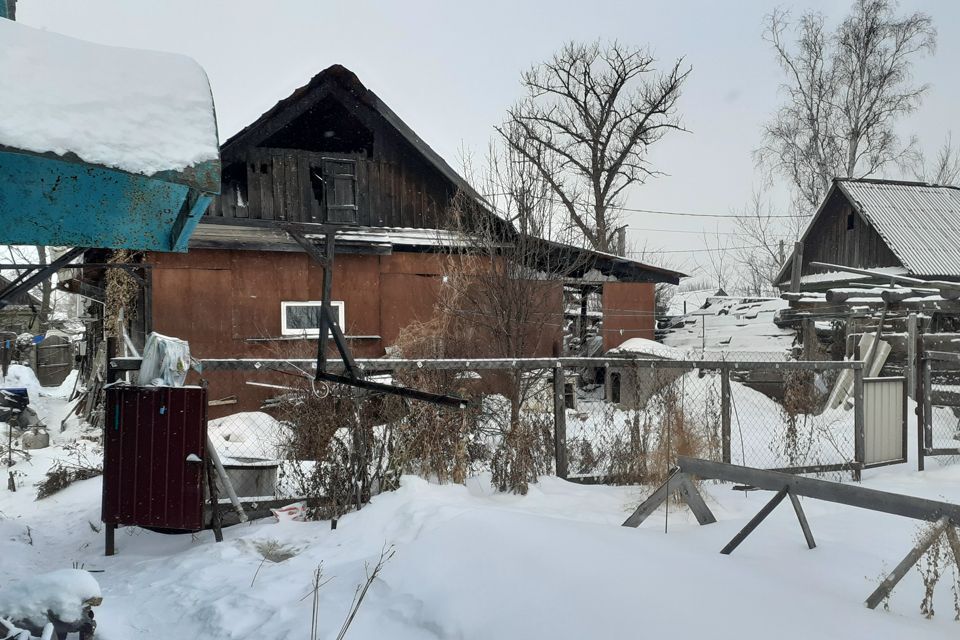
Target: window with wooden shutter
{"x":340,"y":190}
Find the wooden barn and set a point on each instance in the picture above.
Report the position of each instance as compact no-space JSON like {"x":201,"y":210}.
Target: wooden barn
{"x":904,"y":239}
{"x":334,"y":153}
{"x":901,"y":228}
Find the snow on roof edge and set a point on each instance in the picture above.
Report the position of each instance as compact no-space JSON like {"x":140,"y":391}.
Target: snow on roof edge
{"x":139,"y":111}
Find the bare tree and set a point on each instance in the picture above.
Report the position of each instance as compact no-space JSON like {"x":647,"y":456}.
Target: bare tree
{"x":585,"y":125}
{"x":502,"y":296}
{"x":765,"y":239}
{"x":845,"y":91}
{"x":718,"y":252}
{"x":945,"y":168}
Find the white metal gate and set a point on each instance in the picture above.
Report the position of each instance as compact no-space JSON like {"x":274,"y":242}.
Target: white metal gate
{"x":884,"y":421}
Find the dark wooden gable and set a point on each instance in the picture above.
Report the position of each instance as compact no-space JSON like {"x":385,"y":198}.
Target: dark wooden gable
{"x":334,"y":153}
{"x":840,"y":234}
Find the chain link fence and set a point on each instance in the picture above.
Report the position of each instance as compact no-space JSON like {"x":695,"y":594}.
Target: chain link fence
{"x":767,"y":415}
{"x":941,"y":411}
{"x":618,"y":420}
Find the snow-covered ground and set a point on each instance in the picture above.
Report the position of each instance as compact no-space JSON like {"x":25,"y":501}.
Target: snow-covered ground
{"x":471,"y":563}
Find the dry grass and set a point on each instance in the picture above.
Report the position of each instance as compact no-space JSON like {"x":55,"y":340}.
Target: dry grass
{"x":121,"y":292}
{"x":63,"y":473}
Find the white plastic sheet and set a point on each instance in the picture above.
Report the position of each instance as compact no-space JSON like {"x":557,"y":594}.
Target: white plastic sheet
{"x":166,"y":361}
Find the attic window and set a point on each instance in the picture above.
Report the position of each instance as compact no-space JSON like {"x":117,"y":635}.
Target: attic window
{"x":851,"y":221}
{"x":334,"y":187}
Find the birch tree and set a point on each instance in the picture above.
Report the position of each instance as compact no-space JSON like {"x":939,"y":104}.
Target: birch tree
{"x":845,"y":90}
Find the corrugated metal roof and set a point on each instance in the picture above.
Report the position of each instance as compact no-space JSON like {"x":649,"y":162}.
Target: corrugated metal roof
{"x":919,"y":222}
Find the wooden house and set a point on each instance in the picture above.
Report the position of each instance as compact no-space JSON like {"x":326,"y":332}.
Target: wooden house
{"x":334,"y":153}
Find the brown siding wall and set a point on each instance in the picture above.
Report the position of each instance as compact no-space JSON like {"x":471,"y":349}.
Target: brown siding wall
{"x":628,"y":312}
{"x":225,"y":303}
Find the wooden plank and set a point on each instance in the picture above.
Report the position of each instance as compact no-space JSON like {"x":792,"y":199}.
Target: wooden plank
{"x":802,"y":517}
{"x":754,"y":522}
{"x":944,"y":356}
{"x":651,"y":504}
{"x":885,"y":587}
{"x":954,"y":541}
{"x":311,"y":249}
{"x":375,"y":201}
{"x":363,"y":191}
{"x":797,"y":267}
{"x":351,"y":367}
{"x":852,"y":495}
{"x":265,"y":176}
{"x":306,"y":211}
{"x":695,"y":501}
{"x":278,"y":182}
{"x":291,"y":189}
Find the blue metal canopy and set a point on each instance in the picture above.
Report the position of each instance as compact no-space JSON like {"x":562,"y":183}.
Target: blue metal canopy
{"x":102,"y":146}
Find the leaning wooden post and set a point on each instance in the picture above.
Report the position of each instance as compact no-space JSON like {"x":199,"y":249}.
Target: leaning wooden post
{"x":225,"y":479}
{"x":797,"y":267}
{"x":859,"y":454}
{"x":755,"y":521}
{"x":725,"y":412}
{"x":216,"y":521}
{"x":883,"y":591}
{"x":560,"y":421}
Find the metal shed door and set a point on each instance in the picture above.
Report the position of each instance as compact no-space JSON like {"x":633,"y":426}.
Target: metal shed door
{"x":884,"y":421}
{"x":153,"y":437}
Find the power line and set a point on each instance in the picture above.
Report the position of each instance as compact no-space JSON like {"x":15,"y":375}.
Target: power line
{"x":652,"y":252}
{"x":699,"y":233}
{"x":662,"y":212}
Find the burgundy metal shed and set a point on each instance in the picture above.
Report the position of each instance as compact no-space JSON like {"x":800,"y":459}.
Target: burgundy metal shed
{"x":154,"y":453}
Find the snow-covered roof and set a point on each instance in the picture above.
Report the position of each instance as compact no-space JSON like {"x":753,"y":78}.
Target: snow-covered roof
{"x":844,"y":276}
{"x":649,"y":348}
{"x":138,"y":111}
{"x":398,"y":236}
{"x":732,"y":326}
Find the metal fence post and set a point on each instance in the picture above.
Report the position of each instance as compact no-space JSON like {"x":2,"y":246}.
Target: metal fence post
{"x":859,"y":454}
{"x":725,"y":413}
{"x":912,"y":361}
{"x":560,"y":421}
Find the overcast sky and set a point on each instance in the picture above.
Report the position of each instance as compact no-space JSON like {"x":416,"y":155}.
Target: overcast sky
{"x":450,"y":70}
